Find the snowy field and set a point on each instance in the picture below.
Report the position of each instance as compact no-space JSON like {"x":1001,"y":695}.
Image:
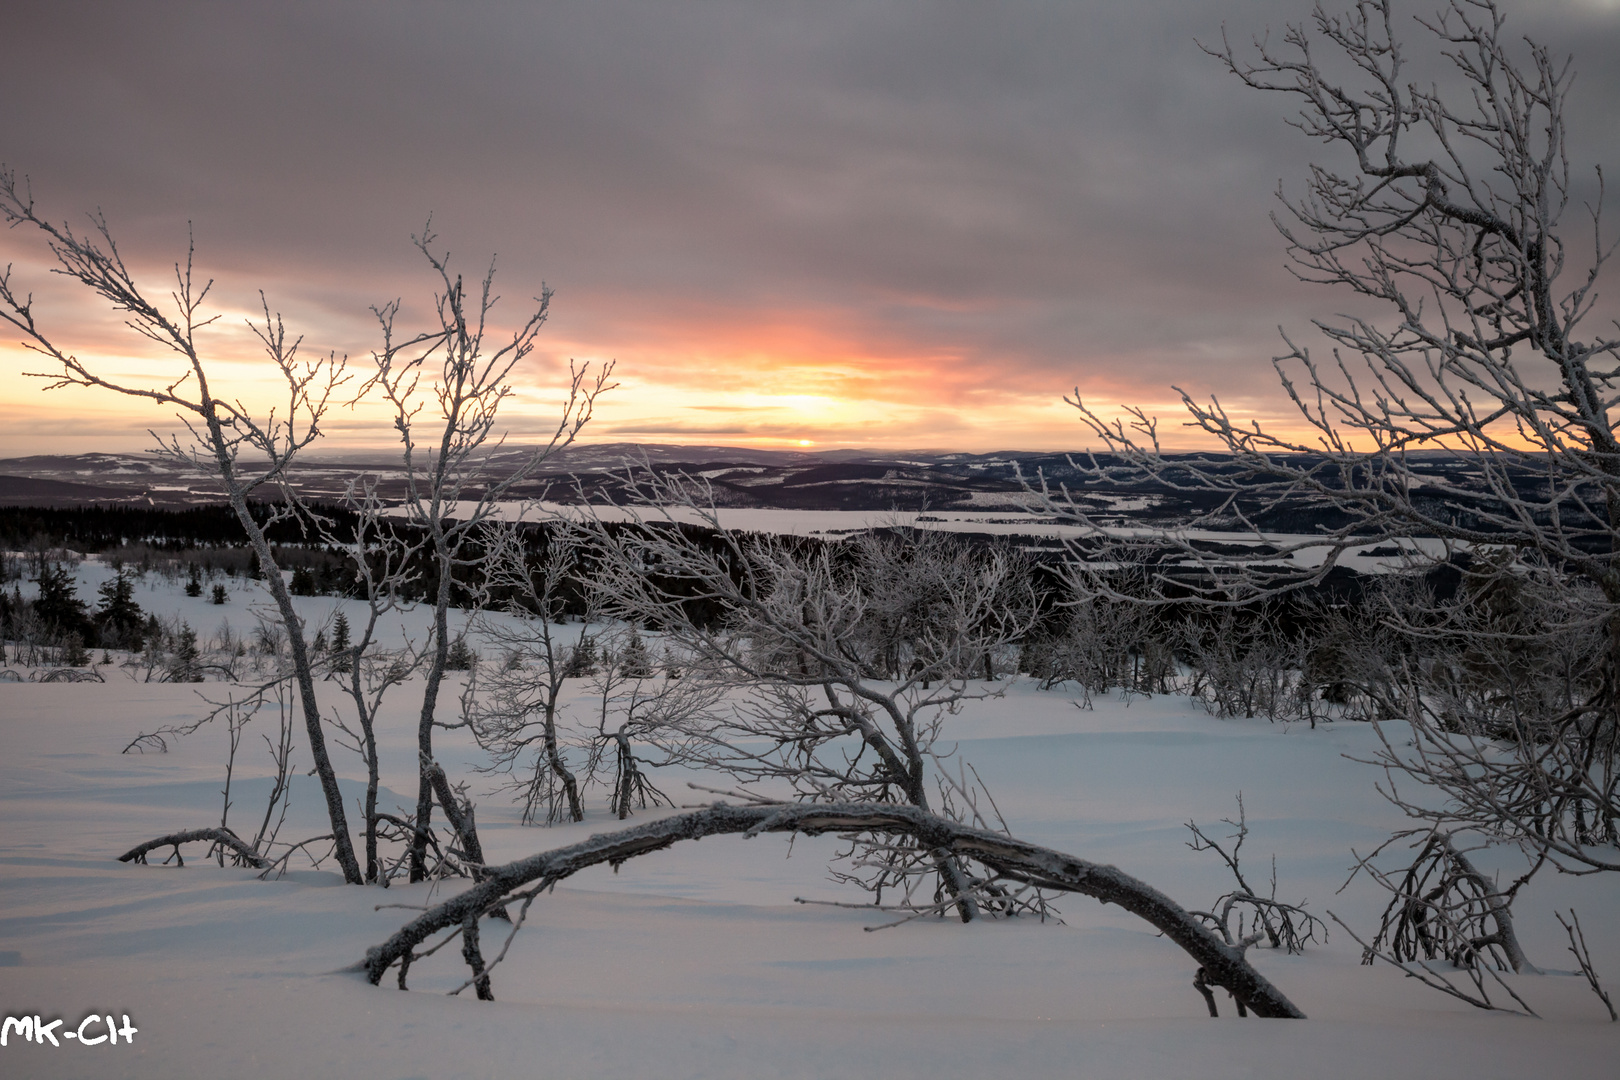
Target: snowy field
{"x":696,"y":962}
{"x":1003,"y":521}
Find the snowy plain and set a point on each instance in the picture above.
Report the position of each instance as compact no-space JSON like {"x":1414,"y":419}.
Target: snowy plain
{"x":1013,"y":522}
{"x":696,"y":962}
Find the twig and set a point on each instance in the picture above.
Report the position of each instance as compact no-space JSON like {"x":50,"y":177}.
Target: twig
{"x":1435,"y":981}
{"x":1583,"y":957}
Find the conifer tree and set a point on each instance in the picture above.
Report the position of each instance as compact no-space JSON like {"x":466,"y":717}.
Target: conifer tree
{"x":186,"y":663}
{"x":120,"y":616}
{"x":460,"y":657}
{"x":634,"y":663}
{"x":340,"y":644}
{"x":58,"y":606}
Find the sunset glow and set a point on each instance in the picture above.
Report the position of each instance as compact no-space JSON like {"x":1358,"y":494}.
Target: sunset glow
{"x":899,"y":231}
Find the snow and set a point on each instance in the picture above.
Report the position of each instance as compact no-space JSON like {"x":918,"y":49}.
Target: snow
{"x":731,"y":470}
{"x":248,"y":599}
{"x":696,"y":962}
{"x":1002,"y":518}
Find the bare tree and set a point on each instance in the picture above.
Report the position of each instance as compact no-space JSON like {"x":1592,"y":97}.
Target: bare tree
{"x":1501,"y":687}
{"x":642,"y":719}
{"x":248,"y":455}
{"x":1282,"y":925}
{"x":520,"y":705}
{"x":383,"y":557}
{"x":1241,"y":663}
{"x":839,"y":694}
{"x":1449,"y":217}
{"x":521,"y":714}
{"x":1101,"y":645}
{"x":451,"y":490}
{"x":1442,"y":906}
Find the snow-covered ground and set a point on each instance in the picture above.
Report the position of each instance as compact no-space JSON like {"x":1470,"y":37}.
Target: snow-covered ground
{"x":246,"y":601}
{"x":1007,"y":520}
{"x":696,"y":962}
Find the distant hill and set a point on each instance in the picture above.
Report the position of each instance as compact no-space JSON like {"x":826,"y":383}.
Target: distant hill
{"x":867,"y":480}
{"x":788,"y":479}
{"x":46,"y":491}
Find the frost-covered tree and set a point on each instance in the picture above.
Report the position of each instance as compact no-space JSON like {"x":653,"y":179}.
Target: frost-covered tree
{"x":518,"y":716}
{"x":1440,"y":199}
{"x":247,"y":455}
{"x":459,"y":367}
{"x":844,"y":657}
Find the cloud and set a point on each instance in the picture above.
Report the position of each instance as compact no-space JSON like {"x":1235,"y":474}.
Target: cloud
{"x":946,"y":207}
{"x":685,"y":430}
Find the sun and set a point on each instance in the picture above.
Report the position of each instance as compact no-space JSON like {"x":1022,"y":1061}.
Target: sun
{"x":806,"y":442}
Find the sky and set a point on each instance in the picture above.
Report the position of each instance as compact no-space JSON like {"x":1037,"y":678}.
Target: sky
{"x":820,"y":224}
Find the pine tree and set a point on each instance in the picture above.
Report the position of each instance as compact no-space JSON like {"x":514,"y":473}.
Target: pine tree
{"x":10,"y":606}
{"x":461,"y":657}
{"x":186,"y":663}
{"x":194,"y":581}
{"x":220,"y":595}
{"x":340,"y":643}
{"x":634,"y":663}
{"x":120,"y":616}
{"x":303,"y":582}
{"x":58,"y":606}
{"x":582,"y":658}
{"x":73,"y":651}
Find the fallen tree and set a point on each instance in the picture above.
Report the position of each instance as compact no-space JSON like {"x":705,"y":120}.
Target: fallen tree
{"x":221,"y":837}
{"x":1220,"y":964}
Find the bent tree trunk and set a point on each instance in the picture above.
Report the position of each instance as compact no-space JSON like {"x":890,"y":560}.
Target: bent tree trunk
{"x":1220,"y":964}
{"x":223,"y":837}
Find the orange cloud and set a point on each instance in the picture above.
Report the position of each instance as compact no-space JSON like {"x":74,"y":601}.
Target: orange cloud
{"x":770,"y":376}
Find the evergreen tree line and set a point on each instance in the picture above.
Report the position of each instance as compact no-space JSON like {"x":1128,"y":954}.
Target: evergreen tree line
{"x":1308,"y":654}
